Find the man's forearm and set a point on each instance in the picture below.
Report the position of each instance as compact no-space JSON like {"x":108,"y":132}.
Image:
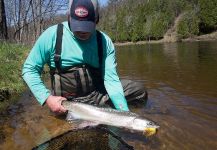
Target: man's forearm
{"x":119,"y":102}
{"x":36,"y":86}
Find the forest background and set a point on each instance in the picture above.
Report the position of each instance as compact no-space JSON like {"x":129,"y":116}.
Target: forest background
{"x":123,"y":20}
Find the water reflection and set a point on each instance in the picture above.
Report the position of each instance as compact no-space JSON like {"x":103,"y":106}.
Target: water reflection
{"x":179,"y":65}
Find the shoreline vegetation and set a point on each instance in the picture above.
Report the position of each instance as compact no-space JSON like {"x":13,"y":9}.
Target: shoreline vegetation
{"x":12,"y":57}
{"x":205,"y":37}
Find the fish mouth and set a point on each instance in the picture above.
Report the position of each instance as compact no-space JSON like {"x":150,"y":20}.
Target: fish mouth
{"x":150,"y":131}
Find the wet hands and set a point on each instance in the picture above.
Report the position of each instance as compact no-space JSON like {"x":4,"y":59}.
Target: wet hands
{"x":54,"y":103}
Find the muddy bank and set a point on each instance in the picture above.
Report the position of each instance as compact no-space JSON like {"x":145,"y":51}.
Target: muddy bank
{"x":207,"y":37}
{"x":12,"y":57}
{"x":26,"y":124}
{"x":7,"y":98}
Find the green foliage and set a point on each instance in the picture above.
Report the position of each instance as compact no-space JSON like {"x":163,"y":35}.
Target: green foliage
{"x":183,"y":30}
{"x":159,"y":26}
{"x":189,"y":25}
{"x":11,"y":60}
{"x":136,"y":20}
{"x":121,"y":26}
{"x":208,"y":14}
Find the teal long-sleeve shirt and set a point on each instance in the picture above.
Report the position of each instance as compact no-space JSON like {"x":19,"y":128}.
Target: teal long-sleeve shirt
{"x":74,"y":52}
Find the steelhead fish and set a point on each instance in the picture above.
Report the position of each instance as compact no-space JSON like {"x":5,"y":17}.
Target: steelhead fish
{"x":108,"y":116}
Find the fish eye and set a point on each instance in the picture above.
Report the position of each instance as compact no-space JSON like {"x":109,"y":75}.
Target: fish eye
{"x":151,"y":123}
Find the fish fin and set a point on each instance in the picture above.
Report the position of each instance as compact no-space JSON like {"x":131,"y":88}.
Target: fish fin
{"x":71,"y":117}
{"x":87,"y":124}
{"x":78,"y":123}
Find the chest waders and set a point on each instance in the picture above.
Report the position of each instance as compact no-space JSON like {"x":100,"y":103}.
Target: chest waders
{"x":75,"y":81}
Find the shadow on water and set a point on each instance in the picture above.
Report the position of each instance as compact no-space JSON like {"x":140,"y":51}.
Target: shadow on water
{"x":181,"y":79}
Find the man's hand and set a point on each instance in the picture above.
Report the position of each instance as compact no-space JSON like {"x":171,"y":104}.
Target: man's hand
{"x":54,"y":103}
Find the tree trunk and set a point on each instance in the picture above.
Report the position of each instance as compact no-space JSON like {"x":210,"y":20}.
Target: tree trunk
{"x":3,"y":22}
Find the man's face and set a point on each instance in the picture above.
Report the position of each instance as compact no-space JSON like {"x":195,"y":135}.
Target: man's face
{"x":82,"y":35}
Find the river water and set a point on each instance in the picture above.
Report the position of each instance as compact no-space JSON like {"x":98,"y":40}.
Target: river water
{"x":181,"y":79}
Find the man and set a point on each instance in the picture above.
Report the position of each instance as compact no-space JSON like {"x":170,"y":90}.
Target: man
{"x":82,"y":63}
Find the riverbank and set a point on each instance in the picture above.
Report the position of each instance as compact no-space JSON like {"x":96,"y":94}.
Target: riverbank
{"x":12,"y":57}
{"x":206,"y":37}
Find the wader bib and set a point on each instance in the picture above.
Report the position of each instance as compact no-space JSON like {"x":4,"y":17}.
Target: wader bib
{"x":85,"y":83}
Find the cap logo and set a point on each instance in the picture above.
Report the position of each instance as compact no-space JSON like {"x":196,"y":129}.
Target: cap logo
{"x":81,"y":12}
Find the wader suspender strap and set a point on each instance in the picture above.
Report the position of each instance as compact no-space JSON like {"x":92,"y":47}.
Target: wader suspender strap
{"x":58,"y":46}
{"x":57,"y":60}
{"x":56,"y":80}
{"x":100,"y":48}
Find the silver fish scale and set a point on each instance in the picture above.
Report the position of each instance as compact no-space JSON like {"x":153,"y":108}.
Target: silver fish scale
{"x":101,"y":115}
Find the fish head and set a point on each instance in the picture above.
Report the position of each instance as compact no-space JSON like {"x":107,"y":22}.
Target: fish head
{"x":148,"y":127}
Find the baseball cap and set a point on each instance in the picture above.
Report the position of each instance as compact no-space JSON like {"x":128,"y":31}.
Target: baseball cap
{"x":84,"y":14}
